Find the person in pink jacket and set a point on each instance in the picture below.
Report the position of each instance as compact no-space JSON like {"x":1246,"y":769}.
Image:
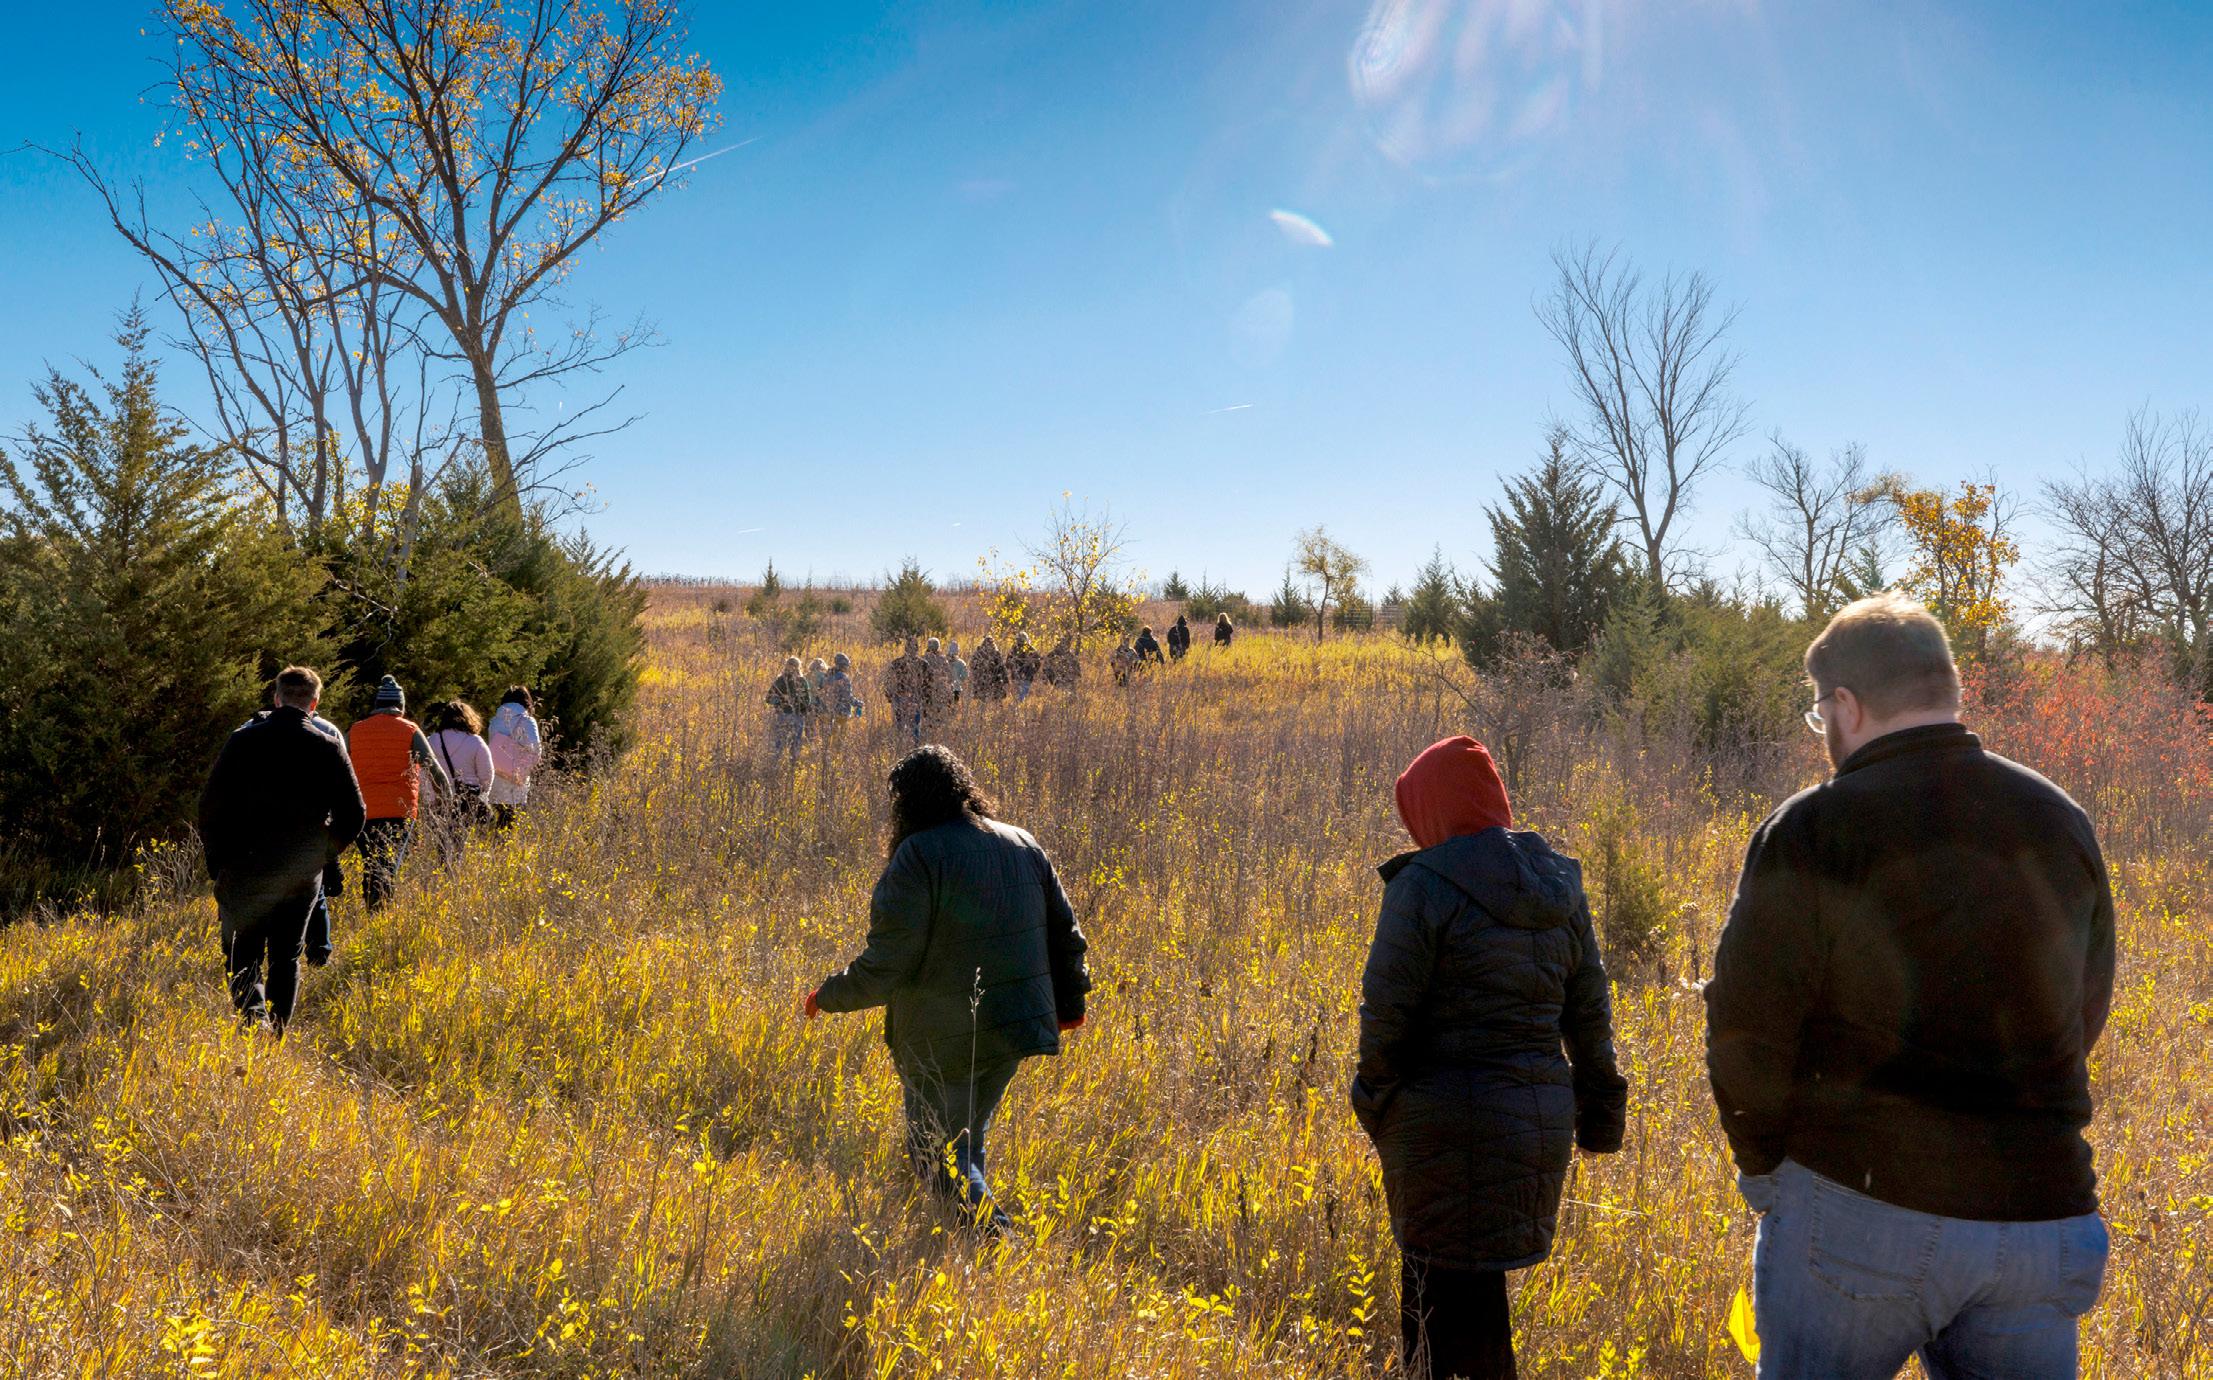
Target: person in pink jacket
{"x":516,"y":748}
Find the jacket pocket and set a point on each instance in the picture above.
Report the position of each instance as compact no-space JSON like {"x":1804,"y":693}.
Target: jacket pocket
{"x":1865,"y":1249}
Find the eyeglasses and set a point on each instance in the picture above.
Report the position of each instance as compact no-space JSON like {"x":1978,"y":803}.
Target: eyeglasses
{"x":1814,"y":720}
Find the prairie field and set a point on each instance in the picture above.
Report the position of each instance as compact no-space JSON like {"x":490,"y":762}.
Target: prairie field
{"x":555,"y":1112}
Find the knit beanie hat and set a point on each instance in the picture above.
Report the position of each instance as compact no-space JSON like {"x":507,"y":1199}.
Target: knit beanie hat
{"x":388,"y":696}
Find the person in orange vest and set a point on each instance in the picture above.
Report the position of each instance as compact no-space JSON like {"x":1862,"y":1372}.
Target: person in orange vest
{"x":391,"y":757}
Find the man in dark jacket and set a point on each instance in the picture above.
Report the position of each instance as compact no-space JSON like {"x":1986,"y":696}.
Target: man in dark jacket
{"x":1485,"y":965}
{"x":973,"y":950}
{"x":1918,"y":961}
{"x":280,"y":806}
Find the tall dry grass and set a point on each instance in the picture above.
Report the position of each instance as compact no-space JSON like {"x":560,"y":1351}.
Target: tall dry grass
{"x":554,"y":1113}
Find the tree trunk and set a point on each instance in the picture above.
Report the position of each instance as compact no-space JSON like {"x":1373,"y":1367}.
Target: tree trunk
{"x":492,"y":423}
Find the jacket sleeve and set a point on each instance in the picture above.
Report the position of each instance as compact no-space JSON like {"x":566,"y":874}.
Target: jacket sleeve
{"x":216,"y":812}
{"x":2097,"y":973}
{"x":347,"y":812}
{"x":1394,"y":987}
{"x":898,"y":935}
{"x":1587,"y":1025}
{"x":1766,"y":974}
{"x":1065,"y":945}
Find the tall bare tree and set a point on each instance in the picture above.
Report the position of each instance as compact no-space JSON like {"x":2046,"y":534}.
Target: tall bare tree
{"x":458,"y":154}
{"x":2137,"y":545}
{"x":1822,"y":517}
{"x":1333,"y":568}
{"x":319,"y":381}
{"x":1651,"y":373}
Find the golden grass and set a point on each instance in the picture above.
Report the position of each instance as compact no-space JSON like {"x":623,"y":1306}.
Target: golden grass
{"x":554,"y":1113}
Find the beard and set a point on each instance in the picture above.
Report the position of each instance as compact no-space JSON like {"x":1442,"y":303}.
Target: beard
{"x":1834,"y":742}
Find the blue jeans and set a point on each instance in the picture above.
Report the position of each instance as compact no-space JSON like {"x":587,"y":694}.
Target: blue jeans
{"x":787,"y":732}
{"x":947,"y":1120}
{"x":1846,"y":1286}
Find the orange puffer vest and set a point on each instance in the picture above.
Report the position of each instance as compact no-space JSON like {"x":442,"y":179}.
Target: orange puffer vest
{"x":384,"y":764}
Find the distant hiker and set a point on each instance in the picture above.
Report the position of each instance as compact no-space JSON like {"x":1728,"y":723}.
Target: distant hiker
{"x":318,"y":945}
{"x":818,"y":680}
{"x":837,"y":702}
{"x":1148,"y":648}
{"x":973,"y":949}
{"x":1916,"y":966}
{"x":1224,"y":630}
{"x":1484,"y":963}
{"x":937,"y":685}
{"x":1063,"y":668}
{"x":987,"y":673}
{"x":790,"y":701}
{"x":1124,"y":660}
{"x":907,"y":685}
{"x":280,"y":806}
{"x":1023,"y":666}
{"x":390,"y":756}
{"x":1179,"y":638}
{"x":460,"y":748}
{"x":958,"y":668}
{"x":516,"y":747}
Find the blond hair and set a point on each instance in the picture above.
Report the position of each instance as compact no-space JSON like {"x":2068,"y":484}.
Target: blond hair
{"x":1890,"y":652}
{"x":299,"y":687}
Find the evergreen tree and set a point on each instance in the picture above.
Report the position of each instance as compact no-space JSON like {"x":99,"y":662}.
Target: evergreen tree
{"x":1559,"y":567}
{"x":1290,"y":608}
{"x":144,"y":604}
{"x":1430,"y":609}
{"x":1175,"y":590}
{"x":908,"y":607}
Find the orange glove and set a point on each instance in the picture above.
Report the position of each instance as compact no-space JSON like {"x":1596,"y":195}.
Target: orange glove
{"x":812,"y":1004}
{"x":1066,"y":1026}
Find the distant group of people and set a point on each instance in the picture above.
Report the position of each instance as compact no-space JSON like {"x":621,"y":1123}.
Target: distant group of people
{"x":930,"y":679}
{"x":289,"y":794}
{"x":1918,"y":961}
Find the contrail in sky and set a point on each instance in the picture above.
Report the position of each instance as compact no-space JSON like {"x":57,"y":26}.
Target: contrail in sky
{"x":1218,"y":411}
{"x":695,"y":162}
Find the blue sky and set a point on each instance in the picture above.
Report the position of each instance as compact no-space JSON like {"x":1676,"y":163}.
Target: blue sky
{"x":982,"y":254}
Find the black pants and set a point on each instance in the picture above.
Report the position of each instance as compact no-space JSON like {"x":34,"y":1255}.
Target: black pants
{"x":1455,"y":1323}
{"x":383,"y":844}
{"x":263,"y":925}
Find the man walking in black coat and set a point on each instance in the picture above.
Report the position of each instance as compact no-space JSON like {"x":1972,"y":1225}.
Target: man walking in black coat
{"x":1918,"y":961}
{"x":973,"y":950}
{"x":279,"y":807}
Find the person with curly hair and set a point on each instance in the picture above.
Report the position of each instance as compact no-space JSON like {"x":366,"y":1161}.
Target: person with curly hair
{"x":976,"y":957}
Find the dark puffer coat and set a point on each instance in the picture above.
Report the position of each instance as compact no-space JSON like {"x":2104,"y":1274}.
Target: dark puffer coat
{"x":970,"y":911}
{"x":1484,"y":963}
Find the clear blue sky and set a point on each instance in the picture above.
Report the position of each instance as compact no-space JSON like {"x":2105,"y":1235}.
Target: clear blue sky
{"x":981,"y":254}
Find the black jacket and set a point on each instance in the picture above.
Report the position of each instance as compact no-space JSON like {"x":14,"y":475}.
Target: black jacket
{"x":1148,"y":648}
{"x":1483,"y":963}
{"x":968,"y":913}
{"x":1919,"y":958}
{"x":282,"y":800}
{"x":1179,"y":638}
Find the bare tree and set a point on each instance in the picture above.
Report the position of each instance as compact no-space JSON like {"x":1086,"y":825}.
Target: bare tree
{"x":1821,"y":519}
{"x":1080,"y":563}
{"x":457,"y":154}
{"x":1651,"y":375}
{"x":1335,"y":571}
{"x":318,"y":381}
{"x":2136,"y":553}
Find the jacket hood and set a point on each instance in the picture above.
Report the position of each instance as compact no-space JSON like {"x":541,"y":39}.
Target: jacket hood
{"x":507,"y":714}
{"x":1516,"y":877}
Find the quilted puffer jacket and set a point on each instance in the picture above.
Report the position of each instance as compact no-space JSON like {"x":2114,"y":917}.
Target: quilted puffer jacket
{"x":1484,"y":966}
{"x":972,"y":948}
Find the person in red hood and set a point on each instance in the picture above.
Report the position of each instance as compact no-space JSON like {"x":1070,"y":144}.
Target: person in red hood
{"x":1486,"y":1056}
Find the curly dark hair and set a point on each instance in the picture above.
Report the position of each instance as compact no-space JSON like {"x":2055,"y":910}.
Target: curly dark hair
{"x":932,"y":786}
